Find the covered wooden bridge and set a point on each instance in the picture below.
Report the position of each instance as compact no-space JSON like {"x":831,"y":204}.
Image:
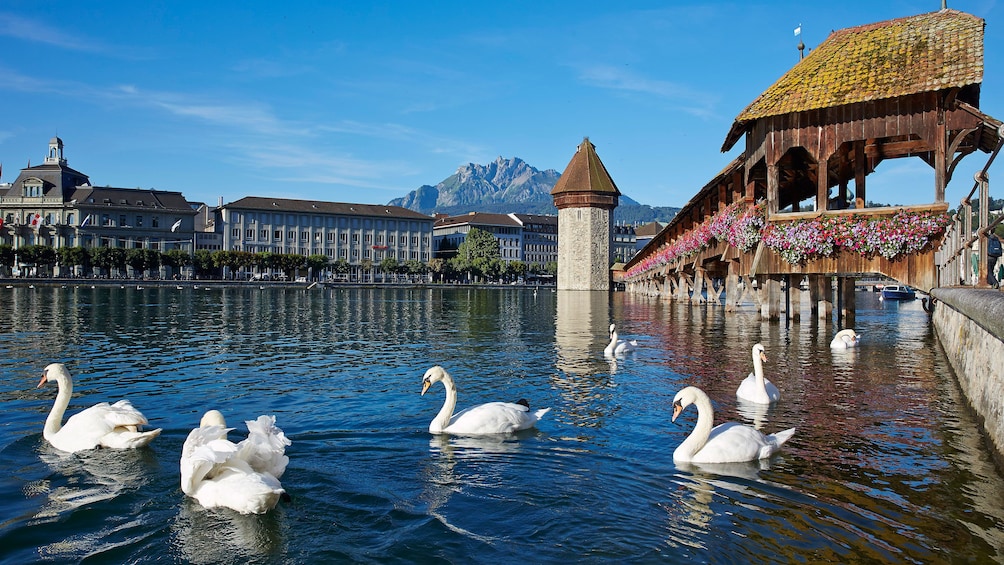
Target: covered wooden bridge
{"x":794,"y":203}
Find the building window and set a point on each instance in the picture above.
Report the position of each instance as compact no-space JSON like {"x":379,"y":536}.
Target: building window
{"x":305,"y":236}
{"x":343,"y":238}
{"x":155,"y":222}
{"x":263,"y":235}
{"x":139,"y":221}
{"x":291,"y":235}
{"x":122,"y":220}
{"x":331,"y":237}
{"x":236,"y":233}
{"x":249,"y":234}
{"x":355,"y":238}
{"x":369,"y":239}
{"x":277,"y":235}
{"x":106,"y":220}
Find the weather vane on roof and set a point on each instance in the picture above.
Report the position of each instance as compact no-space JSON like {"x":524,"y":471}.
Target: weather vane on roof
{"x":801,"y":46}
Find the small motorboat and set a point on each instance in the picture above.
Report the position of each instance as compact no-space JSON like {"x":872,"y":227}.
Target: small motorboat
{"x":898,"y":292}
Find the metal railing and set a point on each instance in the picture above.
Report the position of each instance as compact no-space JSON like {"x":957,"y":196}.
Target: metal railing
{"x":954,"y":259}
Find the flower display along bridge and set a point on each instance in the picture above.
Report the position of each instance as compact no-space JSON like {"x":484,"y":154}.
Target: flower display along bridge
{"x":793,"y":204}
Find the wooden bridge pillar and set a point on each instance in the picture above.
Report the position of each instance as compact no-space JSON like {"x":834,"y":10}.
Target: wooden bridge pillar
{"x":732,"y":287}
{"x":769,"y":291}
{"x":700,"y":279}
{"x":823,"y":299}
{"x":682,"y":287}
{"x":845,"y":286}
{"x":794,"y":297}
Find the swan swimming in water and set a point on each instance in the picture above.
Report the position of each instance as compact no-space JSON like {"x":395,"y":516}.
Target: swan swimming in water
{"x":103,"y":425}
{"x":755,"y":387}
{"x":242,"y":476}
{"x":490,"y":418}
{"x":730,"y":442}
{"x":845,"y":339}
{"x":618,"y":346}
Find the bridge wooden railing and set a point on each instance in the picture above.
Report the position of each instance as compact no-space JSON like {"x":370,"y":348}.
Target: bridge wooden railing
{"x":963,"y":244}
{"x":899,"y":242}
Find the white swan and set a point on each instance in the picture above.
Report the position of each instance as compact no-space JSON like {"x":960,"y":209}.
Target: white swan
{"x":755,"y":387}
{"x":730,"y":442}
{"x":618,"y":346}
{"x":243,"y":476}
{"x":490,"y":418}
{"x":845,"y":339}
{"x":103,"y":425}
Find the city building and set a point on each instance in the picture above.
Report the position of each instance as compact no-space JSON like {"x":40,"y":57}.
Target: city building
{"x":530,"y":238}
{"x":55,"y":205}
{"x":357,"y":233}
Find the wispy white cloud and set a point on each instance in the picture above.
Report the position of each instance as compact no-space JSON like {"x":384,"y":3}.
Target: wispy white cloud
{"x":699,"y":104}
{"x":38,"y":31}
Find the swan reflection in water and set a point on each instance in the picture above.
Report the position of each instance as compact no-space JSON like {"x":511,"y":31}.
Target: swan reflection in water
{"x":690,"y":517}
{"x":82,"y":481}
{"x":86,"y":477}
{"x":753,"y":412}
{"x":221,"y":535}
{"x":443,"y":480}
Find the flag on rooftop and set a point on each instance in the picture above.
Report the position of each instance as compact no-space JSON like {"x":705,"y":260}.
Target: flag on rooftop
{"x":87,"y":220}
{"x":176,"y":225}
{"x":798,"y":30}
{"x":36,"y":219}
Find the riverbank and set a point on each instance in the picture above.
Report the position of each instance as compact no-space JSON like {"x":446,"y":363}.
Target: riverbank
{"x":970,"y":327}
{"x":216,"y":283}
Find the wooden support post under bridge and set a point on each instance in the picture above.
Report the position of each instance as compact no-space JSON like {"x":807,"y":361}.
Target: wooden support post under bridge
{"x":845,"y":286}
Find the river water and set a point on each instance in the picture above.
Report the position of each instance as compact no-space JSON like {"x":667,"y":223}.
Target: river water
{"x":886,"y":464}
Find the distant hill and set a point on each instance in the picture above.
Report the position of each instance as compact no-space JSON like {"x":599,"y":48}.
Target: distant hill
{"x":510,"y":185}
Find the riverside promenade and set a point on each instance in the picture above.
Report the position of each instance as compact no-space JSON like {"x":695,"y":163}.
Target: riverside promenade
{"x":970,"y":326}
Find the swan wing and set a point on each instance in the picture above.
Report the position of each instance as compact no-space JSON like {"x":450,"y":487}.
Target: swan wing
{"x":732,"y":442}
{"x":107,"y":425}
{"x":203,"y":450}
{"x":241,"y":490}
{"x":750,"y":392}
{"x":265,"y":447}
{"x":494,"y":418}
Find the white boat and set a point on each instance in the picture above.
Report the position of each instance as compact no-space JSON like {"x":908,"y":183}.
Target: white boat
{"x":898,"y":292}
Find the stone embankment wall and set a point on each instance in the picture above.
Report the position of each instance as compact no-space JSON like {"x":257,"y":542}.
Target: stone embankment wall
{"x":970,"y":326}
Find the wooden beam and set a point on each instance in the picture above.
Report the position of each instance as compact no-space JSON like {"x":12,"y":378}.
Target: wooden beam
{"x":822,"y":190}
{"x":859,"y":175}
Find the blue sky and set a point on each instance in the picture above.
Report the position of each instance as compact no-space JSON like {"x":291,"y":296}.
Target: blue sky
{"x":364,"y":102}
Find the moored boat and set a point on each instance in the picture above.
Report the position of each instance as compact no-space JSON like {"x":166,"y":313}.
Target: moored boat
{"x":898,"y":292}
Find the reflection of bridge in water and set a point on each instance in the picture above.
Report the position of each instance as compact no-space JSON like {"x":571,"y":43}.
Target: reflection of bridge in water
{"x":793,"y":204}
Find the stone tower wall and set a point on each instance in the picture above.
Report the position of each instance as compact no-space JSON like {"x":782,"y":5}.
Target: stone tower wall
{"x":584,"y":248}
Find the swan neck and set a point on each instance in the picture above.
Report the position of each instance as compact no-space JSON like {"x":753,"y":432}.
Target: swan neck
{"x":54,"y":421}
{"x":442,"y":420}
{"x":699,"y":436}
{"x":758,"y":372}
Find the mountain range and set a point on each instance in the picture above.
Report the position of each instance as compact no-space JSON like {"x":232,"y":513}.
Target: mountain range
{"x":510,"y":186}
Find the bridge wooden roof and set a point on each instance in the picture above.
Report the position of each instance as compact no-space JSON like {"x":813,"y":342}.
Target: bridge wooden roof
{"x":888,"y":59}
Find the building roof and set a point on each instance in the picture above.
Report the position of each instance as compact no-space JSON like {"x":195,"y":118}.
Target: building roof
{"x":478,"y":218}
{"x":888,"y":59}
{"x":543,"y":219}
{"x":56,"y":178}
{"x":132,"y":198}
{"x":650,"y":229}
{"x":320,"y":207}
{"x":585,"y":173}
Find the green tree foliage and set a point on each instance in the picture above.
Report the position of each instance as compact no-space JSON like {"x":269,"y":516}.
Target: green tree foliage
{"x":341,"y":267}
{"x":71,"y":257}
{"x":316,"y":264}
{"x":288,"y":263}
{"x":7,"y":256}
{"x":389,"y":266}
{"x":205,"y":263}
